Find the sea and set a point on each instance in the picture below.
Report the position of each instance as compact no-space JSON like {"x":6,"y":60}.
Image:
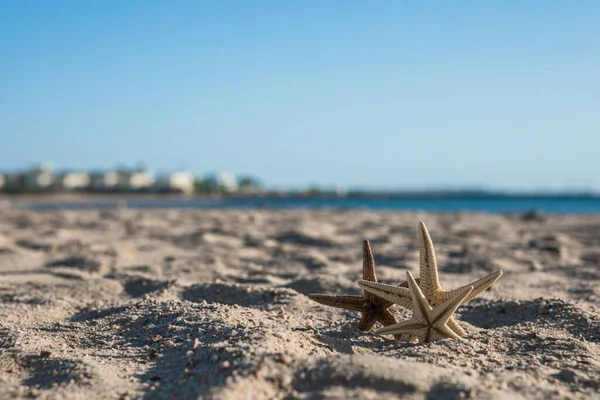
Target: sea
{"x":501,"y":204}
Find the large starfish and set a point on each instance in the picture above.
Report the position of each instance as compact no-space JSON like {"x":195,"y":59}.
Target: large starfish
{"x":373,"y":308}
{"x":428,"y":324}
{"x":429,"y":283}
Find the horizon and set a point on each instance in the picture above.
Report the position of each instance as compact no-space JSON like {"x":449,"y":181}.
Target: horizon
{"x":501,"y":96}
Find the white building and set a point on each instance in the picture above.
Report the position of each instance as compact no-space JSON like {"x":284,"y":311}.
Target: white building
{"x":140,"y":181}
{"x":180,"y":182}
{"x":227,"y":181}
{"x":121,"y":181}
{"x":74,"y":180}
{"x":38,"y":178}
{"x":107,"y":181}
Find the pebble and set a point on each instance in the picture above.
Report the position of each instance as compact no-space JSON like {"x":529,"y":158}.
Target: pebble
{"x":197,"y":343}
{"x":224,"y":365}
{"x":285,"y":359}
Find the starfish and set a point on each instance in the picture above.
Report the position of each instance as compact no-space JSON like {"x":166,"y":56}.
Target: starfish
{"x":429,"y":283}
{"x":373,"y":308}
{"x":428,"y":324}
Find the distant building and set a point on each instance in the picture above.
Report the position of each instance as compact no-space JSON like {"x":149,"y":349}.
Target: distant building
{"x":227,"y":181}
{"x":218,"y":183}
{"x":139,"y":181}
{"x":121,"y":181}
{"x":106,"y":181}
{"x":74,"y":180}
{"x":179,"y":182}
{"x":40,"y":178}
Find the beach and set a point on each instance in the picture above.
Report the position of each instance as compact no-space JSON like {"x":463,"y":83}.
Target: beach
{"x":184,"y":303}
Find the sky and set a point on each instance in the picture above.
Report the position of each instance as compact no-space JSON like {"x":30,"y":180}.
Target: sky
{"x":379,"y":94}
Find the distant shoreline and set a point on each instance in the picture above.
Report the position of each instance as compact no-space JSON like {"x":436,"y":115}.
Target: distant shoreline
{"x":532,"y":205}
{"x":28,"y":198}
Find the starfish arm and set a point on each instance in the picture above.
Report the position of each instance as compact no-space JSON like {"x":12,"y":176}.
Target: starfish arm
{"x":368,"y":268}
{"x":366,"y":322}
{"x":384,"y":287}
{"x":430,"y":282}
{"x":368,"y":263}
{"x":442,"y":313}
{"x":405,"y":283}
{"x":355,"y":303}
{"x":478,"y":286}
{"x":456,"y":328}
{"x":442,"y":332}
{"x":400,"y":295}
{"x":386,"y":318}
{"x":421,"y":308}
{"x":411,"y":326}
{"x":400,"y":334}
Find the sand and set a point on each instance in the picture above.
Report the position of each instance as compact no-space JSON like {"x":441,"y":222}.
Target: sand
{"x":212,"y":304}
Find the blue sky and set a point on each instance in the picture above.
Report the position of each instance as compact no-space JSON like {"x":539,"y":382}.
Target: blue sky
{"x":375,"y":94}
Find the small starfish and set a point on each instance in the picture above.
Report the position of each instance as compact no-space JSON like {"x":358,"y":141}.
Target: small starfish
{"x":373,"y":308}
{"x":428,"y":324}
{"x":429,"y":283}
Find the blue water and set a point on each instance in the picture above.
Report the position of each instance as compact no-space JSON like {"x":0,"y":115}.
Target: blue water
{"x":551,"y":205}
